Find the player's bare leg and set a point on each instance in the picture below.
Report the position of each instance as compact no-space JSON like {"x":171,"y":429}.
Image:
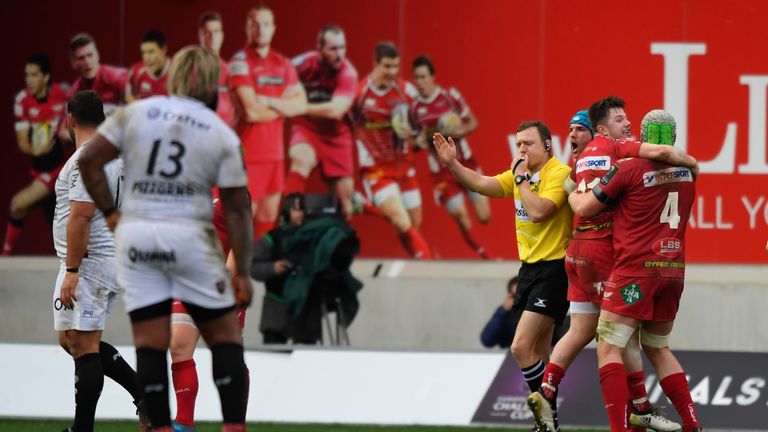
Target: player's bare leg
{"x":303,"y":161}
{"x":21,"y":203}
{"x":530,"y":347}
{"x":265,"y":213}
{"x":482,"y":207}
{"x":671,"y":375}
{"x":460,"y":214}
{"x":223,"y":336}
{"x":343,"y":188}
{"x":394,"y":211}
{"x":417,"y":216}
{"x":184,"y":337}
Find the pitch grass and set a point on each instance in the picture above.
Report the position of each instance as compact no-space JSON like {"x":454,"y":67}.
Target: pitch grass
{"x":13,"y":425}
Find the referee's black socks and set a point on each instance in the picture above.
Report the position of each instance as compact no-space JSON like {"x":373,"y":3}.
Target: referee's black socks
{"x":533,"y":374}
{"x":229,"y":377}
{"x":116,"y":368}
{"x":152,"y":379}
{"x":89,"y":380}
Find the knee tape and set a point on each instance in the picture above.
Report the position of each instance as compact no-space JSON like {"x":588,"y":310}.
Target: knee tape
{"x":614,"y":333}
{"x":653,"y":340}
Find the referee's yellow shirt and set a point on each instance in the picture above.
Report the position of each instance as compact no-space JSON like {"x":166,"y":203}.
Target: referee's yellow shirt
{"x":543,"y":241}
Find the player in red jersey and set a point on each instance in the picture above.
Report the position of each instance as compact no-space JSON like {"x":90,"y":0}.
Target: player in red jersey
{"x":436,"y":109}
{"x":384,"y":152}
{"x":652,"y":202}
{"x":210,"y":32}
{"x":324,"y":136}
{"x":39,"y":110}
{"x":589,"y":256}
{"x":107,"y":81}
{"x":149,"y":77}
{"x":266,"y":90}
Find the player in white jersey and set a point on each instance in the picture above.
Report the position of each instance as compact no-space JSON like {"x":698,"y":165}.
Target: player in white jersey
{"x":86,"y":288}
{"x":175,"y":149}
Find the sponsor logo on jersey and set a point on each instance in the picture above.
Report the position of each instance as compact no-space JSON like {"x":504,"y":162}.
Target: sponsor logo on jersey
{"x":273,"y":80}
{"x":185,"y":119}
{"x":154,"y":187}
{"x":668,"y":247}
{"x":421,"y":110}
{"x":136,"y":255}
{"x":666,"y":176}
{"x":34,"y":112}
{"x":631,"y":293}
{"x":520,"y":212}
{"x":664,"y":264}
{"x":600,"y":163}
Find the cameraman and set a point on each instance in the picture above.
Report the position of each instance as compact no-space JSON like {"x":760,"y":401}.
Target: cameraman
{"x":302,"y":263}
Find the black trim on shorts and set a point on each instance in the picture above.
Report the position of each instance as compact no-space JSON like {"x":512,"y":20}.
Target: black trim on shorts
{"x":152,"y":311}
{"x":200,"y":314}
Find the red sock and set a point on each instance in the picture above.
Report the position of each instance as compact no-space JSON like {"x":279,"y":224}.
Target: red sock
{"x":469,"y":238}
{"x":553,"y":374}
{"x":294,"y":182}
{"x":260,"y":228}
{"x":370,"y":209}
{"x":615,"y":394}
{"x":185,"y":382}
{"x":637,"y":392}
{"x":675,"y":387}
{"x":415,"y":244}
{"x":12,"y":235}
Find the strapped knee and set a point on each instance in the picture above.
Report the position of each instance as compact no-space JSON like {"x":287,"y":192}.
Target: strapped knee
{"x":614,"y":333}
{"x":653,"y":340}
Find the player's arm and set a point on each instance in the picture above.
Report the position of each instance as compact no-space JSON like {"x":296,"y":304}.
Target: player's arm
{"x":539,"y":209}
{"x":333,"y":109}
{"x":93,"y":157}
{"x":472,"y":180}
{"x":668,"y":154}
{"x":22,"y":138}
{"x":586,"y":204}
{"x":293,"y":102}
{"x":468,"y":124}
{"x":78,"y":233}
{"x":237,"y":212}
{"x":254,"y":110}
{"x":129,"y":97}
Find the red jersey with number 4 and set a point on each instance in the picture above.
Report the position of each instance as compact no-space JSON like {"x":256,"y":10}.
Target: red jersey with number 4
{"x":377,"y":142}
{"x":595,"y":161}
{"x":143,"y":83}
{"x":322,"y":83}
{"x":654,"y":202}
{"x":109,"y":83}
{"x":268,"y":76}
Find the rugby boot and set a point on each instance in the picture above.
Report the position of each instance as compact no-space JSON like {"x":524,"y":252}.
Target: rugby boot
{"x":655,"y":420}
{"x":543,"y":416}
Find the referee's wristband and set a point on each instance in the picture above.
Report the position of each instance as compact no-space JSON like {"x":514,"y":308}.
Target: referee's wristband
{"x":73,"y":269}
{"x":109,"y":211}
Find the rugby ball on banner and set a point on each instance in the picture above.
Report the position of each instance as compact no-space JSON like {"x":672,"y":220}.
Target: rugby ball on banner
{"x":449,"y":123}
{"x":401,"y":123}
{"x":41,"y":136}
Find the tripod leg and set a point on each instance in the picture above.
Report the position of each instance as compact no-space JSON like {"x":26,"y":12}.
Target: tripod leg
{"x":327,"y":320}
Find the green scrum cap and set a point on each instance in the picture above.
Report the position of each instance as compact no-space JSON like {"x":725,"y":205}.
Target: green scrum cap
{"x":658,"y":127}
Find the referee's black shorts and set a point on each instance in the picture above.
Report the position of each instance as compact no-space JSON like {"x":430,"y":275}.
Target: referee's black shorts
{"x":542,"y":287}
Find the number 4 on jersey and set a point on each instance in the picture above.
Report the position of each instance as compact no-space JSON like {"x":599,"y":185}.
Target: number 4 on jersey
{"x":669,"y":215}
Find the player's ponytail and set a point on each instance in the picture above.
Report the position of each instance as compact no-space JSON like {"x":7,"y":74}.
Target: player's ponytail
{"x":194,"y":73}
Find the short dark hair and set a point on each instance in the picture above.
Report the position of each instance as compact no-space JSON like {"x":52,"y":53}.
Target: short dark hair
{"x":511,"y":282}
{"x":208,"y":16}
{"x":598,"y":111}
{"x":423,"y":60}
{"x":42,"y":61}
{"x":78,"y":41}
{"x":543,"y":129}
{"x":86,"y":107}
{"x":326,"y":29}
{"x":155,"y":36}
{"x":385,"y":50}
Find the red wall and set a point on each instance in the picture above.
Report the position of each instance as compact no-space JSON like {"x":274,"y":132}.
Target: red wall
{"x":511,"y":60}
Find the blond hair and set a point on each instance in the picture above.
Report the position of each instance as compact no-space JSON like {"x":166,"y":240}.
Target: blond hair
{"x":194,"y":73}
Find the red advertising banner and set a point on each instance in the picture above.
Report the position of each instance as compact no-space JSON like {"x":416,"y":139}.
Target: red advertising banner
{"x":512,"y":61}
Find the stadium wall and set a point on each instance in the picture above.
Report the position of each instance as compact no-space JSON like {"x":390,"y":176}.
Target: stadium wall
{"x":426,"y":306}
{"x":512,"y":61}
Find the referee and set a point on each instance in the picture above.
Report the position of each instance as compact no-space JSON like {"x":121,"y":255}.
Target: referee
{"x":544,"y":221}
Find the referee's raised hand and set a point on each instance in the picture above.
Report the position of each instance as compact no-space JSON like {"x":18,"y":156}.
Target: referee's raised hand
{"x":446,"y":149}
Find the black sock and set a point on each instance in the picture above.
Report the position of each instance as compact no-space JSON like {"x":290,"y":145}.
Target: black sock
{"x":229,"y":377}
{"x":533,"y":374}
{"x":152,"y":379}
{"x":89,"y":380}
{"x":116,"y":368}
{"x":17,"y":222}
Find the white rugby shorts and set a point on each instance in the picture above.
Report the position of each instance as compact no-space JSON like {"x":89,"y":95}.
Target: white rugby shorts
{"x":162,"y":260}
{"x":94,"y":303}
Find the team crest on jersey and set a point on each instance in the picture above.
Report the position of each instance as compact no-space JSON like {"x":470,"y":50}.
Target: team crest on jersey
{"x":666,"y":176}
{"x":631,"y":293}
{"x":600,"y":163}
